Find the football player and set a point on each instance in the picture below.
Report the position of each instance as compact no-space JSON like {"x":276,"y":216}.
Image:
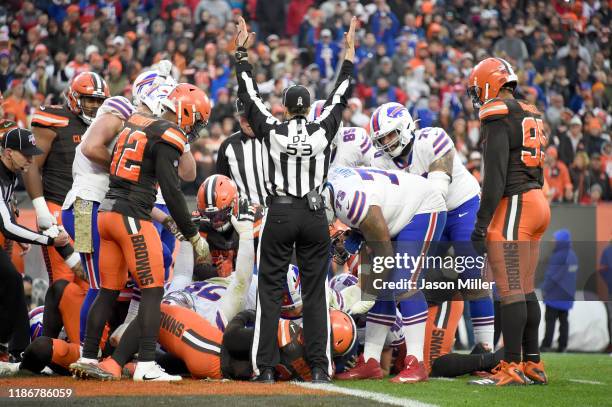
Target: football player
{"x":58,"y":131}
{"x":146,"y":153}
{"x":353,"y":146}
{"x":513,"y":209}
{"x":386,"y":207}
{"x":430,"y":152}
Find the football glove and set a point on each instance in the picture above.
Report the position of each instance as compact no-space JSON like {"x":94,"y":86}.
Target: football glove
{"x":479,"y":243}
{"x":243,"y":223}
{"x":200,"y":248}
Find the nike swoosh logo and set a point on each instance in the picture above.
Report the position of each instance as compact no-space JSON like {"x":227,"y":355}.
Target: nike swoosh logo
{"x":149,"y":378}
{"x":405,"y":379}
{"x":461,"y":215}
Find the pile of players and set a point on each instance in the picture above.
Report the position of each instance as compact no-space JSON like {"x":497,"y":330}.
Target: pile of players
{"x":110,"y":175}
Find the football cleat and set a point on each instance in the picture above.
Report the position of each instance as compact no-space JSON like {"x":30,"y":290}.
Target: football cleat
{"x":362,"y":370}
{"x":151,"y":371}
{"x":108,"y":369}
{"x":535,"y":372}
{"x":414,"y":371}
{"x":504,"y":374}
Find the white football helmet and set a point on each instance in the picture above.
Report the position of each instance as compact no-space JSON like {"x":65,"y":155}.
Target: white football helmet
{"x":392,"y":118}
{"x":315,"y":110}
{"x":150,"y":87}
{"x":292,"y":294}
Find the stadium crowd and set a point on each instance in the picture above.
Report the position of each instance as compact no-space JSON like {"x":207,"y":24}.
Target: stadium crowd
{"x":418,"y":53}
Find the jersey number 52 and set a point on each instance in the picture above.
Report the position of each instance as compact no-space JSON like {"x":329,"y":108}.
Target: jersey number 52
{"x":128,"y":154}
{"x":534,"y":140}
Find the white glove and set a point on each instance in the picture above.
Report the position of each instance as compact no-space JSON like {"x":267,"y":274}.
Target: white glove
{"x":52,"y":231}
{"x":44,"y":219}
{"x":243,"y":224}
{"x":361,"y":307}
{"x":200,"y":247}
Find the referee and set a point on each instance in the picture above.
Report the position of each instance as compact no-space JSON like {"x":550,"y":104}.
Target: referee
{"x":240,"y":159}
{"x":296,"y":156}
{"x":18,"y":149}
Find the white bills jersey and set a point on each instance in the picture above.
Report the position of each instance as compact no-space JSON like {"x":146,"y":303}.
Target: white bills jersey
{"x":353,"y":148}
{"x":206,"y":297}
{"x":90,"y":180}
{"x":430,"y":144}
{"x":399,"y":195}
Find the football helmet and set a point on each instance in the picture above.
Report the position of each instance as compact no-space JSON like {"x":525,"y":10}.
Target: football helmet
{"x":344,"y":332}
{"x":391,"y":118}
{"x":342,"y":281}
{"x":217,"y":201}
{"x":291,"y":305}
{"x":337,"y":234}
{"x":36,"y":322}
{"x":487,"y":78}
{"x":181,"y":298}
{"x":151,"y":86}
{"x":315,"y":110}
{"x":85,"y":95}
{"x":191,"y":106}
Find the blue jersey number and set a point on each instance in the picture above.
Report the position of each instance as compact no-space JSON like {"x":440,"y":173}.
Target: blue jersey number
{"x":366,"y":175}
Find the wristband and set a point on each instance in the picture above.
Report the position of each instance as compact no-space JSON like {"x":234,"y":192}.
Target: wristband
{"x":241,"y":53}
{"x":187,"y":148}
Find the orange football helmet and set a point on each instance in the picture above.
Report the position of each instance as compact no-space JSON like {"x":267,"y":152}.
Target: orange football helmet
{"x":85,"y":95}
{"x":344,"y":332}
{"x":218,"y":201}
{"x":487,"y":78}
{"x":191,"y":106}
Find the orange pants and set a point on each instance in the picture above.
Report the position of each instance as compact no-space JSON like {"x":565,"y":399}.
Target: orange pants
{"x":131,"y":242}
{"x":188,"y":336}
{"x":513,"y":243}
{"x":442,"y":321}
{"x":70,"y":309}
{"x":56,"y":268}
{"x":65,"y":353}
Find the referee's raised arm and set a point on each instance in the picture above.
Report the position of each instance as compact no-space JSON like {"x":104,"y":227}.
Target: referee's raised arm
{"x":296,"y":156}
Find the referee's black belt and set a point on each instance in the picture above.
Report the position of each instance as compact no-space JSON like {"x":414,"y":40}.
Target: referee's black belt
{"x":287,"y":200}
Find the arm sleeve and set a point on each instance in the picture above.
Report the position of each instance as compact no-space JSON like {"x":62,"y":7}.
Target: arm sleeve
{"x":335,"y":104}
{"x":13,"y":231}
{"x":223,"y":167}
{"x":260,"y":119}
{"x":166,"y":163}
{"x":496,"y":154}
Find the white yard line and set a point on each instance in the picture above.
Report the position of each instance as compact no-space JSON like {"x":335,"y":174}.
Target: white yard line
{"x":369,"y":395}
{"x":585,"y":381}
{"x":443,"y":379}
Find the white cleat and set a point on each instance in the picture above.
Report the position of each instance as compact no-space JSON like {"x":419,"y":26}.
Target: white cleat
{"x":151,"y":371}
{"x":79,"y":368}
{"x":8,"y":369}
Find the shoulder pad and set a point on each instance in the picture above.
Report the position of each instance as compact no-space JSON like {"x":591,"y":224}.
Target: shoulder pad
{"x":529,"y":108}
{"x":51,"y":116}
{"x":168,"y":133}
{"x":493,"y":110}
{"x":118,"y":106}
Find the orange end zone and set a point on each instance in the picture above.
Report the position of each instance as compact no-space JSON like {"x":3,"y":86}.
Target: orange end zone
{"x":90,"y":388}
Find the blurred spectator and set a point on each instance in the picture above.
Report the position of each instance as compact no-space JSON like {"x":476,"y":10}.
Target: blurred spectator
{"x":270,"y":17}
{"x":581,"y":178}
{"x":557,"y":176}
{"x":606,"y":158}
{"x":511,"y":47}
{"x":593,"y":139}
{"x":571,"y":142}
{"x":327,"y":53}
{"x":16,"y":107}
{"x":116,"y":78}
{"x":599,"y":177}
{"x":559,"y":289}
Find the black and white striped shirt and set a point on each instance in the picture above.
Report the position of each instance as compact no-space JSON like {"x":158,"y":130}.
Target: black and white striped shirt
{"x":240,"y":158}
{"x":296,"y":153}
{"x":8,"y":227}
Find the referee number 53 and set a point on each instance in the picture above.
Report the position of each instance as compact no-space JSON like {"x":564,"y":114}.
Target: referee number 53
{"x":298,"y":144}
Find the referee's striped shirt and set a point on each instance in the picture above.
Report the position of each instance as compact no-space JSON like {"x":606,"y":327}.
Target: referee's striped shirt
{"x":295,"y":153}
{"x":240,"y":158}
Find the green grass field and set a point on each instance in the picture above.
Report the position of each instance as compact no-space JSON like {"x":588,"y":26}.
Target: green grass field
{"x":575,"y":380}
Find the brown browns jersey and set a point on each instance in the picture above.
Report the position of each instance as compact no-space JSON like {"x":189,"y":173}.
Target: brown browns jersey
{"x":57,"y":169}
{"x":513,"y":152}
{"x":133,"y":177}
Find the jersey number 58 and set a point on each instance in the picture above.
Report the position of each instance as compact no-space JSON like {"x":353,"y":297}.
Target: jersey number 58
{"x":534,"y":140}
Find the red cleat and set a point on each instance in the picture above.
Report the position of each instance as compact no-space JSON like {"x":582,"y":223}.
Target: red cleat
{"x":362,"y":370}
{"x":412,"y":373}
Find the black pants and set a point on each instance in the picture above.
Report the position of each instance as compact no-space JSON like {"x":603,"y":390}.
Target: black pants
{"x":286,"y":225}
{"x":551,"y":316}
{"x":14,"y":321}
